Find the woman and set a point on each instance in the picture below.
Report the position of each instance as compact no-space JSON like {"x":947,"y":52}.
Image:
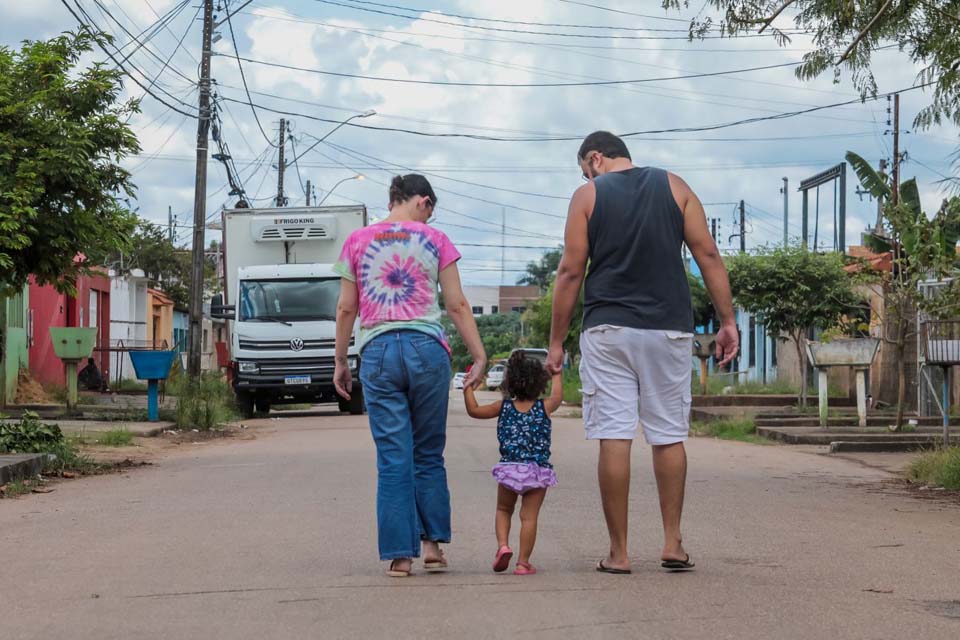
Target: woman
{"x":390,"y":273}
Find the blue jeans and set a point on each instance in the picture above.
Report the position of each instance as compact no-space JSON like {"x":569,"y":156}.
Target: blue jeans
{"x":406,"y":377}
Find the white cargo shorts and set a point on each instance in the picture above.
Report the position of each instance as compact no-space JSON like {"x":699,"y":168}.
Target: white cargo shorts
{"x":634,"y":377}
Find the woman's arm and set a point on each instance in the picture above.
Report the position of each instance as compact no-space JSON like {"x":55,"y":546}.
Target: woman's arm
{"x":556,"y":394}
{"x":474,"y":410}
{"x":462,"y":315}
{"x":347,"y":309}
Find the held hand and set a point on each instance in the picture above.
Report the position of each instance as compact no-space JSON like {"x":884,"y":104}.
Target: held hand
{"x":555,"y":361}
{"x":475,"y":378}
{"x":343,"y":381}
{"x":728,"y":344}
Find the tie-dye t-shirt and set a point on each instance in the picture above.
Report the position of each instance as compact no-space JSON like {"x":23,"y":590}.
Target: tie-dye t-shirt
{"x":397,"y":266}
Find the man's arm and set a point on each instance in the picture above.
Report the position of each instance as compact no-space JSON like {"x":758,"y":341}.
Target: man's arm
{"x":570,"y":274}
{"x":697,"y":236}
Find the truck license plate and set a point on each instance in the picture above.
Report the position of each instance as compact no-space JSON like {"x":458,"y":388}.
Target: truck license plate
{"x":297,"y":380}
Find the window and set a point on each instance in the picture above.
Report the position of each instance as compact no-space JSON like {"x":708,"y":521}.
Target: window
{"x":92,"y":312}
{"x":289,"y":300}
{"x":494,"y":309}
{"x":519,"y":309}
{"x":478,"y":311}
{"x":753,"y":343}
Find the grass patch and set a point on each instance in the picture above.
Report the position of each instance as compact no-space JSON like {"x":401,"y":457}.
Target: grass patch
{"x":739,"y":430}
{"x":56,"y":392}
{"x":129,"y":385}
{"x":293,"y":407}
{"x":939,"y":468}
{"x":15,"y":489}
{"x":571,"y":387}
{"x":115,"y":438}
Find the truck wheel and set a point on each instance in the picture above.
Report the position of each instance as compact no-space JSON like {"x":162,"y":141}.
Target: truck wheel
{"x":354,"y":406}
{"x":245,"y":404}
{"x":263,"y":406}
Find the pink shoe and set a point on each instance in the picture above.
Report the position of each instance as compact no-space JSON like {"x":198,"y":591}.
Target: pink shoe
{"x":524,"y":569}
{"x":502,"y":561}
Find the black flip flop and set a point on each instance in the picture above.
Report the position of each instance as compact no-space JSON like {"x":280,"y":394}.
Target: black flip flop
{"x":602,"y":568}
{"x":678,"y":565}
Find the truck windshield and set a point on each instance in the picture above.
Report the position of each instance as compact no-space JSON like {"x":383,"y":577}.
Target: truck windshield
{"x":301,"y":299}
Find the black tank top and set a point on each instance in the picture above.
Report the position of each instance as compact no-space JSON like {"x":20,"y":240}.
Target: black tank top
{"x":636,"y":276}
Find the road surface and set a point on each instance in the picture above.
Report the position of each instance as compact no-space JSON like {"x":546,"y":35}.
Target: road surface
{"x":275,"y":538}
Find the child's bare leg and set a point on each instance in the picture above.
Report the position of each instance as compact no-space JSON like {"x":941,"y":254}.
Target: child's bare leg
{"x":506,"y":502}
{"x":529,"y":512}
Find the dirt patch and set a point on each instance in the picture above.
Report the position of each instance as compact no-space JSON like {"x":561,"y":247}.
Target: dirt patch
{"x":29,"y":391}
{"x":167,"y":443}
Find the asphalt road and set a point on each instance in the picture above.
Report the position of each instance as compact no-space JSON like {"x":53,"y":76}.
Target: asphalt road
{"x":275,"y":538}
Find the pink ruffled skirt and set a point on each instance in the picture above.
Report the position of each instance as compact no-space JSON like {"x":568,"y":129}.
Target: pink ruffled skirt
{"x":522,"y":476}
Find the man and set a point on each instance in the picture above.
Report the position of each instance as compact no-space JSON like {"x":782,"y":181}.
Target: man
{"x":630,"y":224}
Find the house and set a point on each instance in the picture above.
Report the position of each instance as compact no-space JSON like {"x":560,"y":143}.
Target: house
{"x":181,"y":330}
{"x":128,"y":319}
{"x":90,"y":307}
{"x":159,"y":320}
{"x":518,"y":298}
{"x":483,"y":300}
{"x":14,"y":349}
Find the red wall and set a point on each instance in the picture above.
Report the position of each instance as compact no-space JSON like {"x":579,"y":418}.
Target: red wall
{"x":48,"y":308}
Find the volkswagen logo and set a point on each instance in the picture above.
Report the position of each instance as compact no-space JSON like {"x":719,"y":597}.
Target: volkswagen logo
{"x":296,"y":344}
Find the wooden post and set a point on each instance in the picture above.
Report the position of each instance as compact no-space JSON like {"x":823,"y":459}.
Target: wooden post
{"x":703,"y":376}
{"x":861,"y":375}
{"x":73,"y":395}
{"x":822,"y":371}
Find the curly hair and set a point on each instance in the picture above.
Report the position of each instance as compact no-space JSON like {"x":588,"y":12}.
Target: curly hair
{"x":526,"y":378}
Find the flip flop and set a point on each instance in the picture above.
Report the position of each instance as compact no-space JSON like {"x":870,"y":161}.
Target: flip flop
{"x":524,"y":569}
{"x":602,"y":568}
{"x":397,"y":573}
{"x":678,"y":565}
{"x":436,"y":565}
{"x":502,"y":560}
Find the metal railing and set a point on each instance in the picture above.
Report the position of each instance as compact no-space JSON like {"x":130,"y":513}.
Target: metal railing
{"x":940,"y":340}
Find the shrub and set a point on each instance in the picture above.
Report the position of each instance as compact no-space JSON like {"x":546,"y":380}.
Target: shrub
{"x":571,"y":387}
{"x":939,"y":468}
{"x":204,"y":403}
{"x":29,"y":435}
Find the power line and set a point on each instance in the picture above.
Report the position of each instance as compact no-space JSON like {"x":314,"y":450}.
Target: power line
{"x":626,"y":13}
{"x":243,"y":77}
{"x":505,"y":85}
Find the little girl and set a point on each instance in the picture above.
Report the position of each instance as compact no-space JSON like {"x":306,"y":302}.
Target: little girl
{"x":524,"y":469}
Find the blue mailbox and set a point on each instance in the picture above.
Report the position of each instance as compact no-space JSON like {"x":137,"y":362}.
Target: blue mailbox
{"x":153,"y":366}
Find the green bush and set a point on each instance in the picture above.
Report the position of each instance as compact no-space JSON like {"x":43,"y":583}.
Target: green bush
{"x":571,"y":386}
{"x":203,"y":404}
{"x":939,"y":468}
{"x":29,"y":435}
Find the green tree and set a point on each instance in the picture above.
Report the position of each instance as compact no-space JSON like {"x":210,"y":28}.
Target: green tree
{"x":539,"y":317}
{"x":703,"y":311}
{"x":923,"y":249}
{"x":63,"y":133}
{"x":792,"y":290}
{"x":845,"y":35}
{"x":500,"y":334}
{"x":542,"y":272}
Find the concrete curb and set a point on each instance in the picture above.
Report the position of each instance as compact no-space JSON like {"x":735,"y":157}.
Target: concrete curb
{"x":18,"y":466}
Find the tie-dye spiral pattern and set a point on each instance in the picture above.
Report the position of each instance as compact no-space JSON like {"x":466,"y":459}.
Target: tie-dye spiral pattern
{"x":396,"y":266}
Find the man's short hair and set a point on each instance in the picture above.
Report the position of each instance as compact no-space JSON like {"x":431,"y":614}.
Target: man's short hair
{"x":606,"y":143}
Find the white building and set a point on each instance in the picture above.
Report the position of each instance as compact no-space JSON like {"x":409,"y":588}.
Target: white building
{"x":483,"y":300}
{"x":128,"y":320}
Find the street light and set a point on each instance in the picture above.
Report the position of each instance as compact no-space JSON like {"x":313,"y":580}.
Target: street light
{"x":365,"y":114}
{"x":359,"y":176}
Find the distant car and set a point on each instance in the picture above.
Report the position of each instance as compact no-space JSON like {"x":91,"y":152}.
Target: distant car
{"x":458,"y":380}
{"x":539,"y":354}
{"x":495,"y":377}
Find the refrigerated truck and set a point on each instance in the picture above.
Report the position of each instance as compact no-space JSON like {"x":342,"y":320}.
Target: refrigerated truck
{"x":280,"y":304}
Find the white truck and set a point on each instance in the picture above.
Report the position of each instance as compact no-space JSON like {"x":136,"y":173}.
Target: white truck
{"x":280,"y":303}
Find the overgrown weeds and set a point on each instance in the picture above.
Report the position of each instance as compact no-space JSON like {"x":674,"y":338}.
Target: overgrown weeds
{"x":203,"y":404}
{"x":572,"y":393}
{"x":30,"y":435}
{"x":742,"y":430}
{"x":937,"y":468}
{"x":115,"y":438}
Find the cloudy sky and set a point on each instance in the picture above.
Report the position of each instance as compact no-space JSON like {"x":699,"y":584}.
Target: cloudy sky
{"x":485,"y":184}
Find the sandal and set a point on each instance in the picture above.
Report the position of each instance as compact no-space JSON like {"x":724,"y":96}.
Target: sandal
{"x":502,"y":560}
{"x":678,"y":565}
{"x":392,"y":572}
{"x":435,"y":565}
{"x":524,"y":569}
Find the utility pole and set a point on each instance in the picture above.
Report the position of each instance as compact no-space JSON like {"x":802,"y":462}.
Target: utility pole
{"x":786,"y":212}
{"x":280,"y":164}
{"x":743,"y":228}
{"x":308,"y":193}
{"x":200,"y":199}
{"x":503,"y":243}
{"x":170,"y":223}
{"x":878,"y":227}
{"x":896,"y":149}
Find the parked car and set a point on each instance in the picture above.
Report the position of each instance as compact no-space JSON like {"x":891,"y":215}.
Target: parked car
{"x":539,"y":354}
{"x":495,"y":377}
{"x":458,"y":380}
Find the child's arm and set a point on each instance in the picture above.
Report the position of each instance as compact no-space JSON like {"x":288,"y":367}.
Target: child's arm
{"x":474,"y":410}
{"x":556,"y":395}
